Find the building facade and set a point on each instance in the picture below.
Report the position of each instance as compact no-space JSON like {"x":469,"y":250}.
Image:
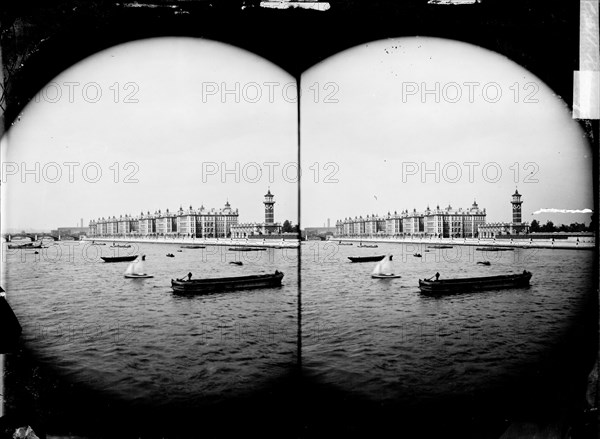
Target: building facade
{"x":196,"y":223}
{"x":440,"y":223}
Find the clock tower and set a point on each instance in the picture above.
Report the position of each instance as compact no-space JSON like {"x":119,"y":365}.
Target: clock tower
{"x":269,"y":209}
{"x":516,"y":207}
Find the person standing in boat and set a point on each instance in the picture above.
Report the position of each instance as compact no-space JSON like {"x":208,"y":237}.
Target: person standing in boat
{"x":189,"y":277}
{"x":437,"y":276}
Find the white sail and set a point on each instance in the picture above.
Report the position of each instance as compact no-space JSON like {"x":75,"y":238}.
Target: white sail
{"x":387,"y":267}
{"x":130,"y":268}
{"x":377,"y":269}
{"x":138,"y":266}
{"x":384,"y":267}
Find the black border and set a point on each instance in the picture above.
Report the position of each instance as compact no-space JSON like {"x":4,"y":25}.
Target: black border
{"x":40,"y":39}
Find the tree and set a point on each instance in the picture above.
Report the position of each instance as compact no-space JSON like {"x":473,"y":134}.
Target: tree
{"x":287,"y":227}
{"x":534,"y":227}
{"x":563,"y":228}
{"x":548,"y":227}
{"x":576,"y":227}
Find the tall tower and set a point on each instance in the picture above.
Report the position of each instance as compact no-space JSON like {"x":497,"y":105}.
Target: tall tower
{"x":269,"y":208}
{"x":516,"y":207}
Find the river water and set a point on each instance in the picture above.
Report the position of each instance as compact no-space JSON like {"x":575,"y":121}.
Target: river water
{"x":135,"y":339}
{"x":380,"y":339}
{"x":372,"y":339}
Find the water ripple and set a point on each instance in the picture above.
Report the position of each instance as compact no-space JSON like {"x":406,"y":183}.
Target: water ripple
{"x":141,"y":342}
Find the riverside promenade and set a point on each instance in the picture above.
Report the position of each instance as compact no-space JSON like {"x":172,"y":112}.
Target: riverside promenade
{"x":570,"y":243}
{"x":246,"y":242}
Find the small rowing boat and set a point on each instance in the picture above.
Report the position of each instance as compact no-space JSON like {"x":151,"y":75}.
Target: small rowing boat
{"x":118,"y":258}
{"x":494,"y":249}
{"x":193,"y":246}
{"x":210,"y":285}
{"x":247,"y":249}
{"x":439,"y":246}
{"x":453,"y":286}
{"x":366,"y":258}
{"x":26,"y":246}
{"x":16,"y":246}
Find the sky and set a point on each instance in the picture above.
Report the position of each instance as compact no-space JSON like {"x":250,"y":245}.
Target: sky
{"x":386,"y":126}
{"x":415,"y":122}
{"x":153,"y":124}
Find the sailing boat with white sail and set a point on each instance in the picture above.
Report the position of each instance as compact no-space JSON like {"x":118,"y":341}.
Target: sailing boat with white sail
{"x":384,"y":269}
{"x":136,"y":269}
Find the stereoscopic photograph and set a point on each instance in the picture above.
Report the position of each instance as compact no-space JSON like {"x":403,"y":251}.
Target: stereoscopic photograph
{"x":151,"y":226}
{"x":299,"y":219}
{"x":457,"y":266}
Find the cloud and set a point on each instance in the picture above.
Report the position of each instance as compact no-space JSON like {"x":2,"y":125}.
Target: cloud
{"x":562,"y":211}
